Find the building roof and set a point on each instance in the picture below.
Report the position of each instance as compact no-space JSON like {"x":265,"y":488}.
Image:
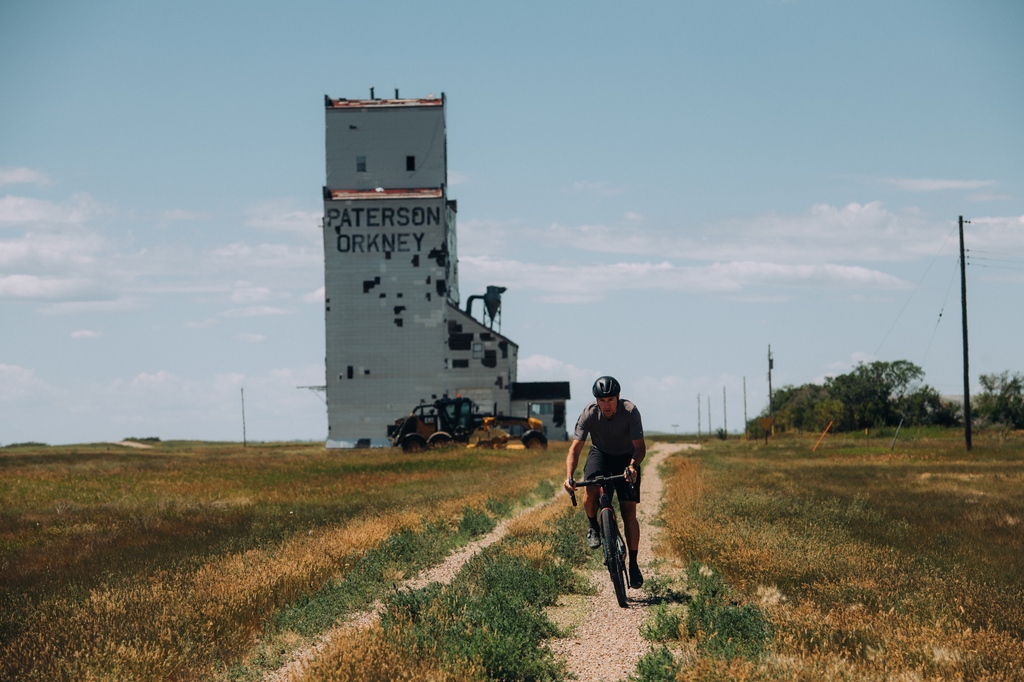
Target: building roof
{"x":382,"y":193}
{"x":342,"y":103}
{"x":540,"y":390}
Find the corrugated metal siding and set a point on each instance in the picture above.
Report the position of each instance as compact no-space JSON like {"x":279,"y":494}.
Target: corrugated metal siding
{"x":386,"y":282}
{"x":483,"y":362}
{"x":385,"y":136}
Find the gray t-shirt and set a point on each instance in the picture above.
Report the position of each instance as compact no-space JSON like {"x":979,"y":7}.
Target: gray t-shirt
{"x":613,"y":436}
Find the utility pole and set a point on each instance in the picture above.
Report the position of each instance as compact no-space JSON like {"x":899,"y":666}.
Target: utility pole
{"x":243,"y":418}
{"x":725,"y":415}
{"x":709,"y":416}
{"x":771,"y":405}
{"x":963,"y":308}
{"x":698,"y":419}
{"x":744,"y":408}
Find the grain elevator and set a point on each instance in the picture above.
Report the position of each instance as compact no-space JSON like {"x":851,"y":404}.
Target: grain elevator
{"x":395,"y":333}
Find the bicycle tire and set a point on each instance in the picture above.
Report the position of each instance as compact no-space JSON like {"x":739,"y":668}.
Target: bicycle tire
{"x":614,"y":560}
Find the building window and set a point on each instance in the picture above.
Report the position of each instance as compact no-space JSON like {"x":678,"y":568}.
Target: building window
{"x":460,"y":364}
{"x":360,"y":164}
{"x":539,"y":409}
{"x":410,"y":163}
{"x":478,"y":351}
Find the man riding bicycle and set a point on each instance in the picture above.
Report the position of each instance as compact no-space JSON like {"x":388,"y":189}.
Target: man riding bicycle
{"x":617,"y":447}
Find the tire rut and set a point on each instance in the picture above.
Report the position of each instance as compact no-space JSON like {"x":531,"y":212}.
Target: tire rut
{"x":605,"y":641}
{"x":443,"y":573}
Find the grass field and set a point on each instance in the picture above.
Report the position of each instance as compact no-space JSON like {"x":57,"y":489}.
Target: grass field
{"x":867,"y":563}
{"x":172,"y":562}
{"x":195,"y":561}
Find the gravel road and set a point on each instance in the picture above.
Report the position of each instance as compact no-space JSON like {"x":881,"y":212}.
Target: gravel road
{"x":605,"y":643}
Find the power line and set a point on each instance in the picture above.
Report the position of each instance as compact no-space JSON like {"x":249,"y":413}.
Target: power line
{"x":945,"y":300}
{"x":893,"y":326}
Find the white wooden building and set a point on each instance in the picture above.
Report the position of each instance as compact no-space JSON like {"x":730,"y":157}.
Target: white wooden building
{"x":396,"y":336}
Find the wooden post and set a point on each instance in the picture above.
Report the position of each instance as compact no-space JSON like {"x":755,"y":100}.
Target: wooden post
{"x":243,"y":418}
{"x":822,"y":437}
{"x":963,"y":308}
{"x":744,"y":408}
{"x":725,"y":415}
{"x":698,"y":419}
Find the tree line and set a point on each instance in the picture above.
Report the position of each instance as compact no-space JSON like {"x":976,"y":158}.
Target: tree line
{"x":887,"y":393}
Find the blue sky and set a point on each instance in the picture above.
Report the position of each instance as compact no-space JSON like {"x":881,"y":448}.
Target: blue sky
{"x":665,"y":189}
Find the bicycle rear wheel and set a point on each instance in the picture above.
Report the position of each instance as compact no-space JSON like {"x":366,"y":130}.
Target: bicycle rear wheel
{"x":614,"y":559}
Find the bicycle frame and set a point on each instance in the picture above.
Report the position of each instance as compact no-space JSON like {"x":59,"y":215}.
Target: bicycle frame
{"x":613,"y":545}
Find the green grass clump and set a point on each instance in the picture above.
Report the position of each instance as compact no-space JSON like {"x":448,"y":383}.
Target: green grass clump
{"x":663,"y":623}
{"x":724,"y":629}
{"x":657,"y":665}
{"x":491,"y":616}
{"x":475,"y":522}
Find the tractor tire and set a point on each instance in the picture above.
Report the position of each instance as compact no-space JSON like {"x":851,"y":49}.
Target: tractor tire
{"x":535,"y":440}
{"x":414,"y":442}
{"x":439,"y":439}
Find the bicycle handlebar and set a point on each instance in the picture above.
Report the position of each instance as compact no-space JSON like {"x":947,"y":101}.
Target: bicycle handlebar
{"x":596,"y":480}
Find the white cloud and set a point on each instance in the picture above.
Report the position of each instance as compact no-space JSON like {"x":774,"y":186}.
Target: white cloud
{"x":20,"y":383}
{"x":457,"y":178}
{"x":262,"y":256}
{"x":593,"y":282}
{"x":247,"y":292}
{"x":255,"y":311}
{"x":85,"y":334}
{"x":822,"y":234}
{"x":600,"y":188}
{"x":15,"y":176}
{"x":279,"y":216}
{"x":50,"y":250}
{"x":250,"y":338}
{"x":632,"y":216}
{"x":935,"y":185}
{"x":990,"y":196}
{"x":182,"y":214}
{"x":16,"y":210}
{"x":539,"y":367}
{"x":33,"y":287}
{"x":125,"y":304}
{"x":317,"y":296}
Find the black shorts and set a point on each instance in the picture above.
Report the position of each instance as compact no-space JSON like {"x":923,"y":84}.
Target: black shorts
{"x":601,"y":464}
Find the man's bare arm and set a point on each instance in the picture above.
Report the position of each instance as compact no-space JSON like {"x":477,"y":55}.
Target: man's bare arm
{"x":571,"y":460}
{"x":639,"y":451}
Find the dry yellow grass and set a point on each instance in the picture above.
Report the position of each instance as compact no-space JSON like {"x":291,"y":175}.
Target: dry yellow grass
{"x":368,"y":655}
{"x":869,"y":566}
{"x":191,"y":551}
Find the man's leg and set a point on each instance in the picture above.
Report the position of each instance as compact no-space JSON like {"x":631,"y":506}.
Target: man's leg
{"x":591,"y":500}
{"x":631,"y":526}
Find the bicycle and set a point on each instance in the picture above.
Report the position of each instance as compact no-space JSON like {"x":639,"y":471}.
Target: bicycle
{"x":612,"y":543}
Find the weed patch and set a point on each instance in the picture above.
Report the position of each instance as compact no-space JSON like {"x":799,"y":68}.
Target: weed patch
{"x":657,"y":665}
{"x":489,"y":622}
{"x":173,"y":562}
{"x":869,"y":562}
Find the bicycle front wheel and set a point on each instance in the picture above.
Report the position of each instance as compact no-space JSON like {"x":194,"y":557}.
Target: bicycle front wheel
{"x":615,"y":561}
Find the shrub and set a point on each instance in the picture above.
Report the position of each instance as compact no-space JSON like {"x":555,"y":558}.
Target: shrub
{"x":657,"y":665}
{"x":663,"y":624}
{"x":475,"y":522}
{"x":724,"y":629}
{"x":1002,"y":400}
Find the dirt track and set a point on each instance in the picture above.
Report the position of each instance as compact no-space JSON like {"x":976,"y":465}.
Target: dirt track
{"x":605,"y":643}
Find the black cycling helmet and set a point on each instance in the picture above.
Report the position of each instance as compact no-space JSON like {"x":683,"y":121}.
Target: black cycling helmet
{"x":606,"y":387}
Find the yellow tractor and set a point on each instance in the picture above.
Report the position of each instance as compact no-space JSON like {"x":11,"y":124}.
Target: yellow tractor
{"x":455,"y":420}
